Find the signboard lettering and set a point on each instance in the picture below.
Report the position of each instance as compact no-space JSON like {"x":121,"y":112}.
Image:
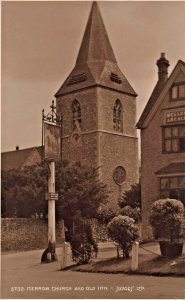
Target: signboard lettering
{"x":51,"y":196}
{"x":175,"y":116}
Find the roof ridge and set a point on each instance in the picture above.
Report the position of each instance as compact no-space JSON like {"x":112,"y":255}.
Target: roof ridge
{"x":29,"y":148}
{"x":155,"y":94}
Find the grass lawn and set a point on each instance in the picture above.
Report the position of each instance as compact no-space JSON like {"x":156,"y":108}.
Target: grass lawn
{"x":148,"y":264}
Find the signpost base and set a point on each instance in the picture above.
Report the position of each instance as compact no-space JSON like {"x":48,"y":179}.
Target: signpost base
{"x":49,"y":255}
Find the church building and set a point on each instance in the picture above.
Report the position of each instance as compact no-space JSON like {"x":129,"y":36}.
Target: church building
{"x":162,"y":125}
{"x":98,"y":106}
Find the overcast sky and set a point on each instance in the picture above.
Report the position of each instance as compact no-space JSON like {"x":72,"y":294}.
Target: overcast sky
{"x":40,"y":43}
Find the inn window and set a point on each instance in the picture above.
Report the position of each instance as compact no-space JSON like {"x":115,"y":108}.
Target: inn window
{"x":117,"y":116}
{"x":178,"y":92}
{"x":76,"y":110}
{"x":173,"y":139}
{"x":173,"y":188}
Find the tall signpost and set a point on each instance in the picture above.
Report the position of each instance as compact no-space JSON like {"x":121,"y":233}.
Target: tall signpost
{"x":51,"y":142}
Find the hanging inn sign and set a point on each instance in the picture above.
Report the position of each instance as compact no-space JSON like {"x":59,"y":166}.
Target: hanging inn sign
{"x":52,"y":135}
{"x":52,"y":141}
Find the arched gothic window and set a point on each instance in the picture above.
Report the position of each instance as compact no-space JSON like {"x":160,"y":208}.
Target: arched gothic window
{"x":117,"y":116}
{"x":76,"y":109}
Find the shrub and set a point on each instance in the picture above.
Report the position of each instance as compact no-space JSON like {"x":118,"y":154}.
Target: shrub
{"x":134,"y":213}
{"x":166,"y":219}
{"x":82,"y":243}
{"x":131,"y":197}
{"x":184,"y":224}
{"x":123,"y":231}
{"x":106,"y":215}
{"x":81,"y":250}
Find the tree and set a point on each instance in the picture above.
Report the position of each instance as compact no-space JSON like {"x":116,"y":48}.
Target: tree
{"x":23,"y":191}
{"x":124,"y":232}
{"x":79,"y":188}
{"x":131,"y":197}
{"x":80,"y":191}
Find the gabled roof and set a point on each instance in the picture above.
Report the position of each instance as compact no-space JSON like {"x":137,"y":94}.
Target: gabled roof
{"x":156,"y":92}
{"x":20,"y":158}
{"x":160,"y":86}
{"x":178,"y":167}
{"x":96,"y":63}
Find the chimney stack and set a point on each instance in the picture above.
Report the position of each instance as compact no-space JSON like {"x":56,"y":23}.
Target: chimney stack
{"x":163,"y":65}
{"x":17,"y":148}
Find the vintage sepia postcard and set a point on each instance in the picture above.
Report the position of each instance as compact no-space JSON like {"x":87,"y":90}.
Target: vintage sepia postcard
{"x":93,"y":150}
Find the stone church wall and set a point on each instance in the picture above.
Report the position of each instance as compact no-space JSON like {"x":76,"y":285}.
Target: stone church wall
{"x":120,"y":152}
{"x":97,"y":143}
{"x":87,"y":99}
{"x":84,"y":149}
{"x":106,"y":101}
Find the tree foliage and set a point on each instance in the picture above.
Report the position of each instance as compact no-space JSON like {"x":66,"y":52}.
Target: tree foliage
{"x":23,"y":191}
{"x":79,"y":188}
{"x":131,"y":197}
{"x":80,"y":191}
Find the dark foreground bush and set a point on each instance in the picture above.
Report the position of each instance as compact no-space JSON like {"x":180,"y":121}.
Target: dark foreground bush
{"x":83,"y":246}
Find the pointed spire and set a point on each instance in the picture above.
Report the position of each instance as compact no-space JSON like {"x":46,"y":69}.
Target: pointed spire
{"x":96,"y":63}
{"x":95,"y":45}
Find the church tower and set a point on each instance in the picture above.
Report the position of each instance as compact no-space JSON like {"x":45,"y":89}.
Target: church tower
{"x":99,"y":112}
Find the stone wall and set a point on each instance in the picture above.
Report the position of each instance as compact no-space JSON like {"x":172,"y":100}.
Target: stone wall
{"x":26,"y":234}
{"x":99,"y":231}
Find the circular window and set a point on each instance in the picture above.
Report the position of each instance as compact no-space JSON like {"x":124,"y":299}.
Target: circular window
{"x":119,"y":175}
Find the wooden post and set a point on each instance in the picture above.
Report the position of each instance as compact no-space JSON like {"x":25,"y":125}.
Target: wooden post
{"x":135,"y":252}
{"x":51,"y":204}
{"x":49,"y":255}
{"x":64,"y":255}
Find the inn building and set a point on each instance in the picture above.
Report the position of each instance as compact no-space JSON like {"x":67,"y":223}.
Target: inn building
{"x":162,"y":126}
